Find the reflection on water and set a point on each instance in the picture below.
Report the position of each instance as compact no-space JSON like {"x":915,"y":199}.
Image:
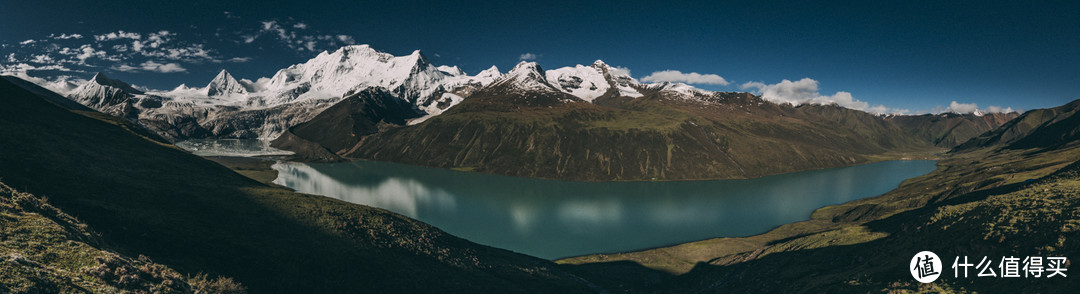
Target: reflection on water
{"x":553,"y":219}
{"x":231,"y":147}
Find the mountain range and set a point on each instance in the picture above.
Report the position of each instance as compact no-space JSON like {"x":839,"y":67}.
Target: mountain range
{"x":591,"y":123}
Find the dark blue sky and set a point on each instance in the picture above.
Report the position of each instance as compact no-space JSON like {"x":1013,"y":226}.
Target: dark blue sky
{"x":912,"y":55}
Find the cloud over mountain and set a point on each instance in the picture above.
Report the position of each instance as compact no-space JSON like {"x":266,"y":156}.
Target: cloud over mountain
{"x":152,"y":66}
{"x":962,"y":108}
{"x":806,"y":91}
{"x":297,"y":36}
{"x":675,"y":76}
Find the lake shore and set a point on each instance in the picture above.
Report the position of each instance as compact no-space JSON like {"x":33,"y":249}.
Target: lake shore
{"x":845,"y":224}
{"x":256,"y":168}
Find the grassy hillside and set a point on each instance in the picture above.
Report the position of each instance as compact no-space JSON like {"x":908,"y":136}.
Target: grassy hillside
{"x":146,"y":197}
{"x":46,"y":250}
{"x":649,"y":138}
{"x":1057,"y":119}
{"x":990,"y":201}
{"x":948,"y":130}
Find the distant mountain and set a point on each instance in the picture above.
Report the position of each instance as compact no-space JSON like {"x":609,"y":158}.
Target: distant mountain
{"x":950,"y":129}
{"x":107,"y":95}
{"x":1040,"y":128}
{"x":537,"y":123}
{"x":231,"y":108}
{"x":147,"y":198}
{"x":345,"y":124}
{"x":591,"y":82}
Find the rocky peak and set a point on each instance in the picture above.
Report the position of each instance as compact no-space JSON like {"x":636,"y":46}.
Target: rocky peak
{"x":224,"y":84}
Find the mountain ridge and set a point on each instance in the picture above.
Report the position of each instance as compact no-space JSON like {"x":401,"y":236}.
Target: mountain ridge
{"x":268,"y":106}
{"x":548,"y":133}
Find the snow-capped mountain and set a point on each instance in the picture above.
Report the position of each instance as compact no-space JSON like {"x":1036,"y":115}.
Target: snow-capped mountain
{"x":351,"y":69}
{"x":224,"y":84}
{"x":525,"y":77}
{"x":679,"y":90}
{"x":458,"y":85}
{"x":231,"y":107}
{"x":590,"y":82}
{"x":451,"y":70}
{"x":228,"y":107}
{"x":101,"y":91}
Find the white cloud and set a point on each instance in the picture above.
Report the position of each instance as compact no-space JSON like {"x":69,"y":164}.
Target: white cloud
{"x":155,"y":40}
{"x":272,"y":26}
{"x":297,"y":36}
{"x":61,"y":84}
{"x":65,"y":36}
{"x":126,"y":68}
{"x":806,"y":91}
{"x":162,"y":68}
{"x":85,"y":52}
{"x":348,"y":40}
{"x":23,"y":67}
{"x":152,"y":66}
{"x":998,"y":109}
{"x":11,"y":58}
{"x":117,"y":35}
{"x":239,"y":59}
{"x":528,"y":56}
{"x":293,"y":40}
{"x":42,"y":58}
{"x":618,"y":70}
{"x":689,"y":78}
{"x":27,"y":42}
{"x":963,"y":108}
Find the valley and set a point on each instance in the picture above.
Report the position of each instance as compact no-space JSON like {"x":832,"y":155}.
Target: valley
{"x":606,"y":163}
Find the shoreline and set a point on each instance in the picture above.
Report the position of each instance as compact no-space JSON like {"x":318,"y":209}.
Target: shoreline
{"x":253,"y":167}
{"x":935,"y":155}
{"x":838,"y":224}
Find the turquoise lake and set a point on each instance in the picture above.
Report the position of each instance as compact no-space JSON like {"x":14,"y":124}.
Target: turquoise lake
{"x":555,"y":219}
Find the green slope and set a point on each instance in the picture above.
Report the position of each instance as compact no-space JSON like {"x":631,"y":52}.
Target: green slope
{"x":948,"y":130}
{"x":1047,"y":121}
{"x":650,"y":138}
{"x":150,"y":198}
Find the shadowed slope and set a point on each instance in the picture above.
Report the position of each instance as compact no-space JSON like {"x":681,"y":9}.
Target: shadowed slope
{"x":191,"y":214}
